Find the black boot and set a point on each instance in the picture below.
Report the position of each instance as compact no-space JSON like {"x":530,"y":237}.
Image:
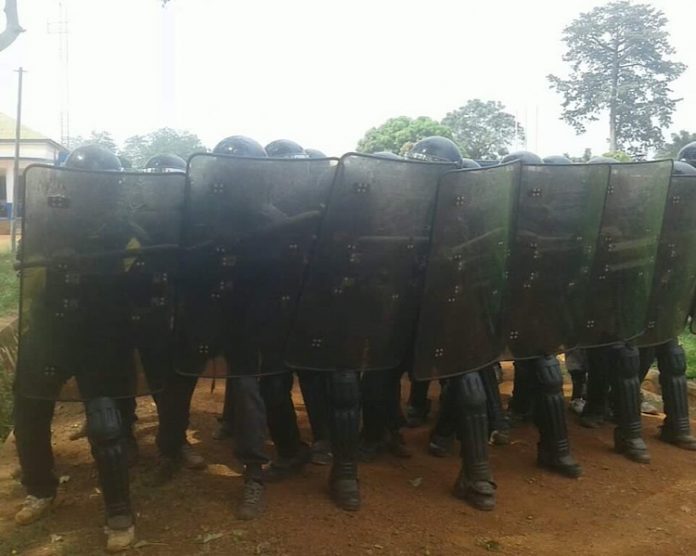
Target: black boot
{"x":344,"y":423}
{"x":676,"y":428}
{"x":468,"y":402}
{"x":553,"y":450}
{"x":344,"y":487}
{"x":626,"y":394}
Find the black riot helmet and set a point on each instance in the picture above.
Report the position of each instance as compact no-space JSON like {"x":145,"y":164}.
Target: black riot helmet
{"x":525,"y":157}
{"x":239,"y":145}
{"x":683,"y":169}
{"x":556,"y":159}
{"x":688,"y":153}
{"x":284,"y":148}
{"x":435,"y":149}
{"x":468,"y":163}
{"x":314,"y":153}
{"x":602,"y":160}
{"x":388,"y":154}
{"x":165,"y":163}
{"x":93,"y":157}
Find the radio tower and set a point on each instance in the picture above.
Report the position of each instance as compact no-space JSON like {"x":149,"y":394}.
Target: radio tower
{"x":60,"y":27}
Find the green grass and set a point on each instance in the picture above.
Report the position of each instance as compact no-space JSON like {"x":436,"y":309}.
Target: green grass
{"x":9,"y":285}
{"x":688,"y":342}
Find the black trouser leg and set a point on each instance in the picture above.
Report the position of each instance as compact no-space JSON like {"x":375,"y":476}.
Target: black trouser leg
{"x":373,"y":395}
{"x":32,"y":429}
{"x":522,"y":390}
{"x":276,"y":391}
{"x":671,"y":362}
{"x":647,"y":357}
{"x":395,"y":416}
{"x":549,"y":417}
{"x":446,"y":424}
{"x":497,"y":420}
{"x":598,"y":371}
{"x":105,"y":434}
{"x":227,"y":417}
{"x":313,"y":388}
{"x":174,"y":409}
{"x":625,"y":387}
{"x":578,"y":378}
{"x":249,"y":420}
{"x":466,"y":398}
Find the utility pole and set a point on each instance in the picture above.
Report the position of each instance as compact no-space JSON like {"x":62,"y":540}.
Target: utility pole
{"x":15,"y":181}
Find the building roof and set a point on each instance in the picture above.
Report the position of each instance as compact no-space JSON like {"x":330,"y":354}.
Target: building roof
{"x":8,"y":128}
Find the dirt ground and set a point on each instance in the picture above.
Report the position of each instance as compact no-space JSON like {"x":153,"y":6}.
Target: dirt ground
{"x":617,"y":507}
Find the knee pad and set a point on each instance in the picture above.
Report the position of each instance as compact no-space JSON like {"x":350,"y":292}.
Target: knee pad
{"x":468,"y":391}
{"x":103,"y":421}
{"x":344,"y":389}
{"x":671,"y":359}
{"x":547,"y":372}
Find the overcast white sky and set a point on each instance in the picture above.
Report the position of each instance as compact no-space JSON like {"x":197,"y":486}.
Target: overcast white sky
{"x":320,"y":72}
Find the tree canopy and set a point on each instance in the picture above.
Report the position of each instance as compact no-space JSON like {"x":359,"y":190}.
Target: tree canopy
{"x":397,"y":135}
{"x":619,"y":63}
{"x":483,"y":129}
{"x":678,"y":140}
{"x":139,"y":148}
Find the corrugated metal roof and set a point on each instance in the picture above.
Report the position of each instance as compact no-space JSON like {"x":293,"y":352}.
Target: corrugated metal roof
{"x":7,"y":129}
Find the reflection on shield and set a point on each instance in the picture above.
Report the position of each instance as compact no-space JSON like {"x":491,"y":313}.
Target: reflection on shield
{"x":558,"y":216}
{"x":621,"y":276}
{"x":674,"y":283}
{"x":97,"y":259}
{"x":250,"y":227}
{"x":360,"y":302}
{"x":460,"y":326}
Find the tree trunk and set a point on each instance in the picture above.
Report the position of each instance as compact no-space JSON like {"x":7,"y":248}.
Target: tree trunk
{"x":613,"y":100}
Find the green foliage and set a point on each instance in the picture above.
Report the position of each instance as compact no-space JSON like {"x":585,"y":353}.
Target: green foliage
{"x":103,"y":138}
{"x":483,"y":129}
{"x":9,"y":285}
{"x":618,"y":55}
{"x":679,"y":140}
{"x":619,"y":155}
{"x":688,"y":342}
{"x":139,"y":148}
{"x":397,"y":135}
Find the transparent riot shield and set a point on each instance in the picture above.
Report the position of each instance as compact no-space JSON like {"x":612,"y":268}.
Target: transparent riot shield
{"x":558,"y":216}
{"x":360,"y":302}
{"x":460,"y":326}
{"x":621,"y":277}
{"x":97,"y":257}
{"x":250,"y":227}
{"x":674,"y":283}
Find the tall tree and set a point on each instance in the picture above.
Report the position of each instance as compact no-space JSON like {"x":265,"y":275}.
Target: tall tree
{"x":483,"y":129}
{"x":139,"y":148}
{"x":398,"y":134}
{"x":679,"y":140}
{"x":619,"y":60}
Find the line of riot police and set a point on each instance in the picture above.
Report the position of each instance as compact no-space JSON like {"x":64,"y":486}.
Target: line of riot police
{"x":255,"y":264}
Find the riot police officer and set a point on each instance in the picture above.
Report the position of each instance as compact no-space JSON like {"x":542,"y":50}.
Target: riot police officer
{"x":105,"y":430}
{"x":539,"y":390}
{"x":671,"y":362}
